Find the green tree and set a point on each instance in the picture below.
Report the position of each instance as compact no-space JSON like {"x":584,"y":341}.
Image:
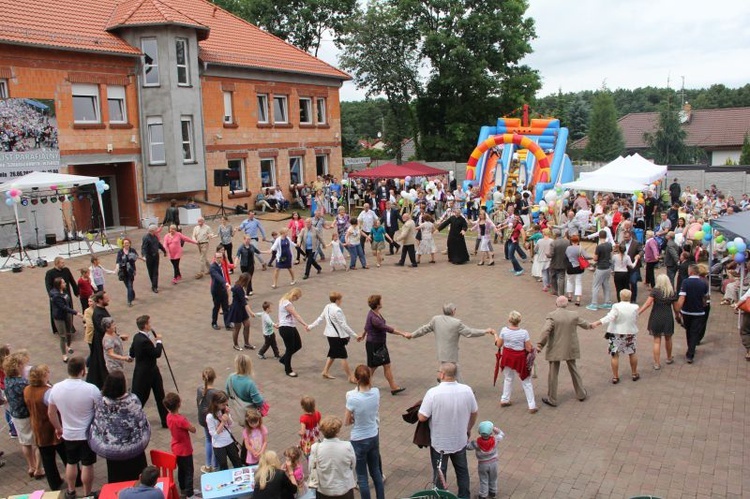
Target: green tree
{"x":473,"y":49}
{"x":605,"y":137}
{"x":745,"y":155}
{"x":667,"y":143}
{"x":578,"y":115}
{"x":302,"y":23}
{"x":380,"y":49}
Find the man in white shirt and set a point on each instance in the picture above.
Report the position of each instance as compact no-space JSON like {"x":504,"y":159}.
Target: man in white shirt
{"x":366,"y":220}
{"x":75,"y":400}
{"x":451,"y":410}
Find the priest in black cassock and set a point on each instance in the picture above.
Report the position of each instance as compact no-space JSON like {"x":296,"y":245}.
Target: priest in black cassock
{"x":457,"y":252}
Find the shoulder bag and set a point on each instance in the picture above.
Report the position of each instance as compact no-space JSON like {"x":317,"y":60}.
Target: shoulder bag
{"x":313,"y":480}
{"x":240,"y":404}
{"x":333,"y":325}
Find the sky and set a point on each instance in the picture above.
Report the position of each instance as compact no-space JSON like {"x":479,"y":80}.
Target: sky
{"x":582,"y":44}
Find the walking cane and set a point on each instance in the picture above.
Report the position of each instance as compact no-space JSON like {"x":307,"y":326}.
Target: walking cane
{"x":164,"y":351}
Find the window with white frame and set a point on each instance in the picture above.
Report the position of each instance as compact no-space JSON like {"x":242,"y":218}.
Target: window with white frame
{"x":268,"y":172}
{"x":150,"y":49}
{"x":305,"y":111}
{"x":237,"y":179}
{"x":183,"y":66}
{"x":296,"y":169}
{"x":320,"y":110}
{"x":116,"y":104}
{"x":4,"y":89}
{"x":228,"y":111}
{"x":188,"y":150}
{"x":262,"y":108}
{"x":156,"y":149}
{"x":280,"y":109}
{"x":321,"y":164}
{"x":86,"y":103}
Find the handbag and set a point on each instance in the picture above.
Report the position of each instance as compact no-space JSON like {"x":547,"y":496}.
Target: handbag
{"x":313,"y":480}
{"x":745,"y":306}
{"x":264,"y":407}
{"x":241,"y":448}
{"x":582,"y":262}
{"x":380,"y":355}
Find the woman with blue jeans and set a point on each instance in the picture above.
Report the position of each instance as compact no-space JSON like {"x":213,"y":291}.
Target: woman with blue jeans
{"x":354,"y":246}
{"x":362,"y":405}
{"x":203,"y":398}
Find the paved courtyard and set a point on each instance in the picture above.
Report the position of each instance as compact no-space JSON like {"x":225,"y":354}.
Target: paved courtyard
{"x":678,"y":432}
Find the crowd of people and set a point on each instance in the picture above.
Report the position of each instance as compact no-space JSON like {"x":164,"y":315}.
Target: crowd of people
{"x":24,"y":127}
{"x":92,"y":413}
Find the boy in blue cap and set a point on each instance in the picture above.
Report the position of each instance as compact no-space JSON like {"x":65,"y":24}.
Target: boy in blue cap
{"x":486,"y":450}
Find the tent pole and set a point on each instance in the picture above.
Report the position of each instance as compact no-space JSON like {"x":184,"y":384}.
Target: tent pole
{"x":742,"y":280}
{"x":20,"y":237}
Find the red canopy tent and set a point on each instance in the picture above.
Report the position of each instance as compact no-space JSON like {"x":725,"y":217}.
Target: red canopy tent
{"x":390,"y":170}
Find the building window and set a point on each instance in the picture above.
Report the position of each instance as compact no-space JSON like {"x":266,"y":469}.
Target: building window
{"x":116,"y":104}
{"x":296,"y":169}
{"x":279,"y":109}
{"x":320,"y":109}
{"x":236,"y":175}
{"x":188,"y":151}
{"x":267,"y":172}
{"x":228,"y":111}
{"x":4,"y":89}
{"x":150,"y":62}
{"x":305,"y":111}
{"x":321,"y":164}
{"x":86,"y":103}
{"x":183,"y":67}
{"x":156,"y":150}
{"x":262,"y":108}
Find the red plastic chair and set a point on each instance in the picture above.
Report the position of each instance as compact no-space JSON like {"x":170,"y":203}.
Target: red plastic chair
{"x":166,"y":462}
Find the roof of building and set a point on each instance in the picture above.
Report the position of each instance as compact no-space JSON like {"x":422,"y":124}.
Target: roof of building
{"x":89,"y":26}
{"x":707,"y":128}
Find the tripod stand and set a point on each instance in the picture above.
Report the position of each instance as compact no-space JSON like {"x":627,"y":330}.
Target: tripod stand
{"x":72,"y":251}
{"x":39,"y":262}
{"x":221,"y":212}
{"x":22,"y":253}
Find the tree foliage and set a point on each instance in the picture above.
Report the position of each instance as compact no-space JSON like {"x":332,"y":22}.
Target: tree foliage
{"x":605,"y":137}
{"x":299,"y":22}
{"x":745,"y":155}
{"x":667,"y":143}
{"x":381,"y":51}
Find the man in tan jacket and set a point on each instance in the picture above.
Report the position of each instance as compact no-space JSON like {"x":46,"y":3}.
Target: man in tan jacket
{"x":561,"y":338}
{"x":407,"y":236}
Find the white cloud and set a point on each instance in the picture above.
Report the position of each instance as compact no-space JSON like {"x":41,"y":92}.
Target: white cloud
{"x":630,"y":44}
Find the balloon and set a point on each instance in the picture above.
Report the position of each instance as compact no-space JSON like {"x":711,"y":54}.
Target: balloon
{"x":566,"y":194}
{"x":707,"y":236}
{"x":413,"y":192}
{"x":401,"y":202}
{"x":652,"y":187}
{"x":637,"y":193}
{"x":53,"y":187}
{"x":739,"y":258}
{"x":558,"y":190}
{"x":542,"y":203}
{"x":404,"y":194}
{"x":731,"y":247}
{"x":741,"y":247}
{"x":720,"y":239}
{"x":407,"y":179}
{"x":544,"y":209}
{"x":706,"y":227}
{"x":413,"y":197}
{"x":738,"y":241}
{"x":698,"y":235}
{"x":634,"y":198}
{"x":9,"y":201}
{"x":550,"y":196}
{"x":106,"y":187}
{"x":552,"y":203}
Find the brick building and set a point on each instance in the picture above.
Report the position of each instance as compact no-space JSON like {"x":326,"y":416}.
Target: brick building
{"x":155,"y":95}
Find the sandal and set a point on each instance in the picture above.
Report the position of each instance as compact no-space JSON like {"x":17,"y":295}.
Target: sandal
{"x":636,"y":377}
{"x":615,"y":381}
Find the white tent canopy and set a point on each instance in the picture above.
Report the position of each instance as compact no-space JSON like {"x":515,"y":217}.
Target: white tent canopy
{"x":634,"y":167}
{"x":45,"y":181}
{"x":602,"y":183}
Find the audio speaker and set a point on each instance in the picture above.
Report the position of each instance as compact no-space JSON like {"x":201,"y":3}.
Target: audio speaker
{"x":221,"y":178}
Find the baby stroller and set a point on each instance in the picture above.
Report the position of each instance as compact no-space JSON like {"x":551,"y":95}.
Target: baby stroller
{"x":719,"y":272}
{"x":435,"y":492}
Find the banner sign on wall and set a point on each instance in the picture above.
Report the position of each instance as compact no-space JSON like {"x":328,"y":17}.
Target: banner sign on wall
{"x":28,"y":137}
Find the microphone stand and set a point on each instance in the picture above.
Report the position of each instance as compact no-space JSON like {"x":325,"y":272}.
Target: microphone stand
{"x":39,"y":262}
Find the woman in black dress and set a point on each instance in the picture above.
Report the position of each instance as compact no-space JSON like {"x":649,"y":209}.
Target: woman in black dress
{"x":661,"y":321}
{"x":239,"y":312}
{"x":457,"y":252}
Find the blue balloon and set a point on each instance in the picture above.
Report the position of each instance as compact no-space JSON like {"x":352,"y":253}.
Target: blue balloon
{"x":739,"y":257}
{"x":708,"y":236}
{"x":9,"y":201}
{"x":741,"y":247}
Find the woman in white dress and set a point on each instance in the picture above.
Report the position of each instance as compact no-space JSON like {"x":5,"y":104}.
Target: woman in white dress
{"x":485,"y":229}
{"x":427,"y":244}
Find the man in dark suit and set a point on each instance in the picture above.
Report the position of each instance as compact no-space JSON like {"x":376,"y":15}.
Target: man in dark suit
{"x":219,"y":293}
{"x":59,"y":270}
{"x":150,"y":251}
{"x":633,"y":249}
{"x":145,"y":349}
{"x":389,"y":220}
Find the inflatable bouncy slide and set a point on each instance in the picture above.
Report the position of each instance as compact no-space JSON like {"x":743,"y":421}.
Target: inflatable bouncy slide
{"x":514,"y":156}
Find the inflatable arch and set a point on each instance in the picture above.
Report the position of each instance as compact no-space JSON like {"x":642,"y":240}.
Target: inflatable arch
{"x":541,"y":173}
